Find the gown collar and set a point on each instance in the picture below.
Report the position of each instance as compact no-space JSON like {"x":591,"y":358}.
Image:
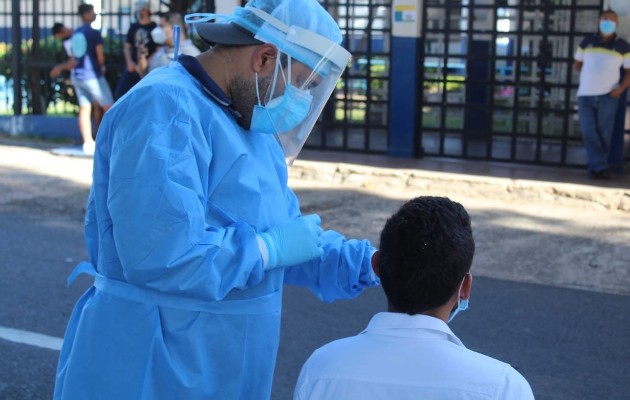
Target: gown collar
{"x":194,"y":68}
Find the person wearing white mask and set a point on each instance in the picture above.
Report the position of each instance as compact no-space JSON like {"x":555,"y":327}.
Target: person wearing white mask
{"x":409,"y":352}
{"x":163,"y":36}
{"x":599,"y":58}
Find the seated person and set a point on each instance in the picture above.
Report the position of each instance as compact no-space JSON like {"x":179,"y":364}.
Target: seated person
{"x":409,"y":352}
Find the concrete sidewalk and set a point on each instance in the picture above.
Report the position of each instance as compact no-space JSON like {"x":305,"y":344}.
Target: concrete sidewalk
{"x":550,"y":226}
{"x":447,"y":177}
{"x":479,"y":179}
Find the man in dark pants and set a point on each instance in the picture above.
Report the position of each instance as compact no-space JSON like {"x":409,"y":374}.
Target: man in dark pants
{"x":139,"y":34}
{"x":599,"y":58}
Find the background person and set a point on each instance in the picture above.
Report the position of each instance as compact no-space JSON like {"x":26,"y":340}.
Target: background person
{"x":191,"y":228}
{"x":163,"y":35}
{"x":599,"y":59}
{"x":409,"y":352}
{"x":63,"y":33}
{"x":138,"y":39}
{"x":89,"y":81}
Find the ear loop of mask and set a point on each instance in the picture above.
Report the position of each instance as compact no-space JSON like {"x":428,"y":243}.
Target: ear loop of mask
{"x":273,"y":83}
{"x":197,"y":18}
{"x":257,"y":90}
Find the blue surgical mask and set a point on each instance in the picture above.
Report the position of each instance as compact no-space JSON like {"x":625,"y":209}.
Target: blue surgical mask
{"x":282,"y":113}
{"x":607,"y":27}
{"x":462,"y":304}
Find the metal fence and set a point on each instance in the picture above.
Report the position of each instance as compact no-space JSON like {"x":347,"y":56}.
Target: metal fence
{"x":499,"y":82}
{"x":497,"y":77}
{"x":356,"y":119}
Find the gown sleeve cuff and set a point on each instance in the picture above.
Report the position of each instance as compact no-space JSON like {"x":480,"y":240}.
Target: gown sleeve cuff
{"x":264,"y":252}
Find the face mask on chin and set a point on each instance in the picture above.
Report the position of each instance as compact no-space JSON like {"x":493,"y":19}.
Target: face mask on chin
{"x":462,"y":304}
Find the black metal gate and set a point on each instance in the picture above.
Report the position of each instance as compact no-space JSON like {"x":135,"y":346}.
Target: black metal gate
{"x":498,"y":79}
{"x":28,"y":51}
{"x":356,"y":117}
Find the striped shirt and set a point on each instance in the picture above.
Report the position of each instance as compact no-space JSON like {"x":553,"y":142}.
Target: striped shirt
{"x":602,"y":63}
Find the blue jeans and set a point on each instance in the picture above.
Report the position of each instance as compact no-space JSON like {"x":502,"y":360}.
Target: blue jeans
{"x":597,"y":121}
{"x":126,"y":82}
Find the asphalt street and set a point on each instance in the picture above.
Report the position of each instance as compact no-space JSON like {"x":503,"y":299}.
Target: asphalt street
{"x":551,"y":288}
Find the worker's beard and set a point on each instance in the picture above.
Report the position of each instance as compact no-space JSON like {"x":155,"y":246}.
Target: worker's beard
{"x":243,"y":93}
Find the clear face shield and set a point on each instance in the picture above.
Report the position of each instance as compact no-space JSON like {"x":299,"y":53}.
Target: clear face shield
{"x":295,"y":97}
{"x":307,"y":70}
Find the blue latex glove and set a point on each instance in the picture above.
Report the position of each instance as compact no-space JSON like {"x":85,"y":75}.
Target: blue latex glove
{"x":293,"y":242}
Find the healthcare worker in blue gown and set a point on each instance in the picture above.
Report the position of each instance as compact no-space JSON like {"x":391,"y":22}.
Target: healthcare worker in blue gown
{"x":190,"y":226}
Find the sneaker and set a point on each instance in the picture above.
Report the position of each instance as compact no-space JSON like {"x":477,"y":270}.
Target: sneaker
{"x":88,"y":148}
{"x":603,"y":174}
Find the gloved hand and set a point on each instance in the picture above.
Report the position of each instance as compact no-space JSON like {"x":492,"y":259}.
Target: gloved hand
{"x":293,"y":242}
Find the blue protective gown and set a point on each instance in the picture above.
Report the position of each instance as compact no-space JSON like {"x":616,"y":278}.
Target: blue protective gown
{"x":181,"y":307}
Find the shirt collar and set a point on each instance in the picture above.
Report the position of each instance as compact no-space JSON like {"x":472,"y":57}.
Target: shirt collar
{"x":209,"y":86}
{"x":600,"y":39}
{"x":399,"y":324}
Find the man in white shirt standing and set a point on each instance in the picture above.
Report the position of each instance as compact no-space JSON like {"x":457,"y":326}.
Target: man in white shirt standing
{"x":409,"y":352}
{"x":600,"y":58}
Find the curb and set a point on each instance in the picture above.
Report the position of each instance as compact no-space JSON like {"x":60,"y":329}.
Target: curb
{"x":453,"y":184}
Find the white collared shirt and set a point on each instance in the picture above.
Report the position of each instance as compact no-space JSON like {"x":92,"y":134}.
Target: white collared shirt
{"x":400,"y":356}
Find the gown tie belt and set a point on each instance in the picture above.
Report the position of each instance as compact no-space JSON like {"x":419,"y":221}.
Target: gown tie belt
{"x":266,"y":304}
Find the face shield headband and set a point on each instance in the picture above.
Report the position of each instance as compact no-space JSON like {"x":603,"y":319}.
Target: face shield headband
{"x":301,"y":85}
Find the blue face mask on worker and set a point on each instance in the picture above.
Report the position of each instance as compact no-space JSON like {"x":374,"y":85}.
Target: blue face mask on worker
{"x":282,"y":113}
{"x":462,"y":304}
{"x":607,"y":27}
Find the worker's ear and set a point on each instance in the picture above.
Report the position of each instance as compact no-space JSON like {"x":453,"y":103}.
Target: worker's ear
{"x":264,"y":58}
{"x":375,"y":258}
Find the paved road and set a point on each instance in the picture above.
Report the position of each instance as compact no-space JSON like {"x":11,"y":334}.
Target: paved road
{"x":551,"y":289}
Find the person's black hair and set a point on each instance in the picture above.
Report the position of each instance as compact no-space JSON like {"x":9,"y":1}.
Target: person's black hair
{"x":85,"y":7}
{"x":426,"y":249}
{"x":608,"y":11}
{"x":57,"y":28}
